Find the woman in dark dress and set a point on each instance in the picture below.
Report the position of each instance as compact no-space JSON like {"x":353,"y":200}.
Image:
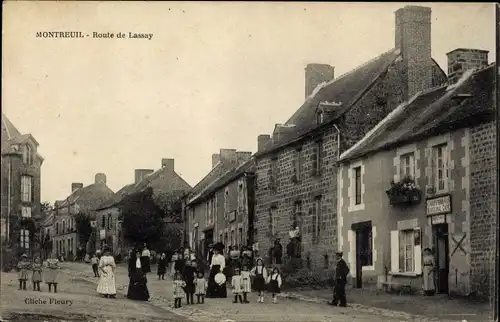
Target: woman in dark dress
{"x":217,"y":265}
{"x":179,"y":263}
{"x":137,"y":288}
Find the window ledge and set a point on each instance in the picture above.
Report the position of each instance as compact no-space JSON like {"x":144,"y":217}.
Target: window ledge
{"x":368,"y":268}
{"x":409,"y":274}
{"x":355,"y":207}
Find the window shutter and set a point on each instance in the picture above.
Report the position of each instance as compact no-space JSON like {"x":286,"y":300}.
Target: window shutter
{"x":394,"y":251}
{"x":294,"y":163}
{"x":314,"y":160}
{"x":418,"y":256}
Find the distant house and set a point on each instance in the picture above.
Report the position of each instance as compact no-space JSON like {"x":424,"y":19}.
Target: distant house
{"x":438,"y":150}
{"x":163,"y":181}
{"x":296,"y":168}
{"x":65,"y":240}
{"x":205,"y":207}
{"x":21,"y":169}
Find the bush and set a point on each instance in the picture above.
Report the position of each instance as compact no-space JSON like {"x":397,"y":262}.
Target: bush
{"x":317,"y":279}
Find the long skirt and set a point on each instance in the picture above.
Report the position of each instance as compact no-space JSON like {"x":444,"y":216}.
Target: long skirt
{"x":138,"y":289}
{"x":215,"y":290}
{"x":37,"y":276}
{"x":107,"y":283}
{"x":429,"y":286}
{"x":259,"y":284}
{"x":145,"y":264}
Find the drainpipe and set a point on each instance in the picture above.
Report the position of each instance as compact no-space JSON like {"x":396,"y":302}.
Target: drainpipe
{"x":338,"y":141}
{"x":9,"y":200}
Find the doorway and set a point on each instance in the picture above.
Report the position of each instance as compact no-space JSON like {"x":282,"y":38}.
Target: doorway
{"x":363,"y":247}
{"x":441,"y":251}
{"x":209,"y":240}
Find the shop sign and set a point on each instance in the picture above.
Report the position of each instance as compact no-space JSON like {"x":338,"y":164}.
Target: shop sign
{"x":439,"y":205}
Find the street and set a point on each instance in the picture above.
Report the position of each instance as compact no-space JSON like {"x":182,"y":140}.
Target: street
{"x":77,"y":300}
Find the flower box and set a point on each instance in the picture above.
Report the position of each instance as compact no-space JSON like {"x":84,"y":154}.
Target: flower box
{"x":404,"y":192}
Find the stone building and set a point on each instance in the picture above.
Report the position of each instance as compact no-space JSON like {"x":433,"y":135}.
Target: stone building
{"x":425,"y":178}
{"x":21,"y":181}
{"x":296,"y":167}
{"x":163,"y":181}
{"x":85,"y":200}
{"x":216,"y":206}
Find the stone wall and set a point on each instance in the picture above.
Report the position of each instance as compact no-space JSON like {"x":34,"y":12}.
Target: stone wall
{"x":483,"y":200}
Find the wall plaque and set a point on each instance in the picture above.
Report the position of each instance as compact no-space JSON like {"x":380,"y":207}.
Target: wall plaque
{"x":439,"y":205}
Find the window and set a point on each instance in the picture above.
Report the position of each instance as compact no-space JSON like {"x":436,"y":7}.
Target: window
{"x":357,"y":185}
{"x":273,"y":220}
{"x":57,"y":228}
{"x":64,"y":226}
{"x":103,"y":222}
{"x":192,"y":213}
{"x":110,"y":221}
{"x":406,"y":254}
{"x":240,"y":233}
{"x":27,"y":154}
{"x":317,"y":162}
{"x":233,"y":238}
{"x":220,"y":238}
{"x":440,"y":168}
{"x":213,"y":207}
{"x":320,"y":117}
{"x":297,"y":213}
{"x":407,"y":165}
{"x":25,"y":238}
{"x":207,"y":208}
{"x":273,"y":174}
{"x":298,"y":163}
{"x":26,"y":188}
{"x":317,"y":219}
{"x":225,"y":240}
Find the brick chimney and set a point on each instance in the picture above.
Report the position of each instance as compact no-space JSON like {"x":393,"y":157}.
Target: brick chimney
{"x":462,"y":59}
{"x":169,"y":164}
{"x":413,"y":39}
{"x":100,"y":178}
{"x":228,"y":156}
{"x":243,"y":157}
{"x":75,"y":186}
{"x":317,"y":74}
{"x":262,"y":141}
{"x":141,"y":174}
{"x":215,"y":159}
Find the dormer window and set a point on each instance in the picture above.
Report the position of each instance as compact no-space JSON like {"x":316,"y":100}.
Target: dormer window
{"x":27,"y":154}
{"x":320,"y":117}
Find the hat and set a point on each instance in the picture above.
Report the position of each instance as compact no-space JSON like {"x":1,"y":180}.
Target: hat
{"x":219,"y":247}
{"x":24,"y":255}
{"x":211,"y":246}
{"x":220,"y":278}
{"x":339,"y":253}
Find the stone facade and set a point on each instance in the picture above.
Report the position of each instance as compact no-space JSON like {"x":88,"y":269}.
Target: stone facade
{"x":20,"y":186}
{"x":483,"y":167}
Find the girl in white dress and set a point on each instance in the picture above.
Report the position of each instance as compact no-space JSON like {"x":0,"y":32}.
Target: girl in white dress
{"x":107,"y":284}
{"x":201,"y":287}
{"x":245,"y":283}
{"x":236,"y":285}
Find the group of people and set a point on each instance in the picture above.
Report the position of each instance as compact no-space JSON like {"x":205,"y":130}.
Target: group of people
{"x":49,"y":269}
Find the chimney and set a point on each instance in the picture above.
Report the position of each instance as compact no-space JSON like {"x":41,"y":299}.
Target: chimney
{"x":215,"y":159}
{"x":462,"y":59}
{"x":141,"y":174}
{"x":100,"y":178}
{"x":75,"y":186}
{"x":317,"y":74}
{"x":168,"y":163}
{"x":243,"y":157}
{"x":262,"y":141}
{"x":413,"y":39}
{"x":228,"y":156}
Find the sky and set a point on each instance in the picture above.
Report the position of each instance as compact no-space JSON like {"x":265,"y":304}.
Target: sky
{"x":214,"y":75}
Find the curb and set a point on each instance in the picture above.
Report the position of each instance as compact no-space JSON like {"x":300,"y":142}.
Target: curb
{"x":362,"y":308}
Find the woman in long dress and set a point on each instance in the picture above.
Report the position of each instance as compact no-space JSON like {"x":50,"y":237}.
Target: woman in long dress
{"x":137,"y":288}
{"x":51,"y":275}
{"x":107,"y":284}
{"x":216,"y":266}
{"x":428,"y":272}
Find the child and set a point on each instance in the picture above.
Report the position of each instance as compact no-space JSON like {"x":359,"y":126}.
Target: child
{"x":275,"y":284}
{"x":189,"y":277}
{"x":260,"y":276}
{"x":236,"y":285}
{"x":37,"y":274}
{"x":201,"y":287}
{"x":95,"y":265}
{"x":162,"y":266}
{"x":23,"y":267}
{"x":245,"y":283}
{"x":179,"y":284}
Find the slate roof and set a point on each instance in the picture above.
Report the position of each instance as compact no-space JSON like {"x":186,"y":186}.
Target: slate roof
{"x":224,"y":180}
{"x":346,"y":89}
{"x":11,"y":135}
{"x":162,"y":179}
{"x":434,"y":112}
{"x":89,"y":197}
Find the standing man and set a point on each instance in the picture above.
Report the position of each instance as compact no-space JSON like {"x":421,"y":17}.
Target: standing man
{"x":341,"y":272}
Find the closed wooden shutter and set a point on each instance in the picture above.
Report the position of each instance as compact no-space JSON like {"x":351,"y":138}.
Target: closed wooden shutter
{"x":394,"y":251}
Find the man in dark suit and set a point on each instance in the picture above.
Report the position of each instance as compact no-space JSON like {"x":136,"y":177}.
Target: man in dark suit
{"x":341,"y":272}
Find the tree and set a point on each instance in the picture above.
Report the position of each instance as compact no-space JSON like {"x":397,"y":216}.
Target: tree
{"x":142,"y":218}
{"x":83,"y":227}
